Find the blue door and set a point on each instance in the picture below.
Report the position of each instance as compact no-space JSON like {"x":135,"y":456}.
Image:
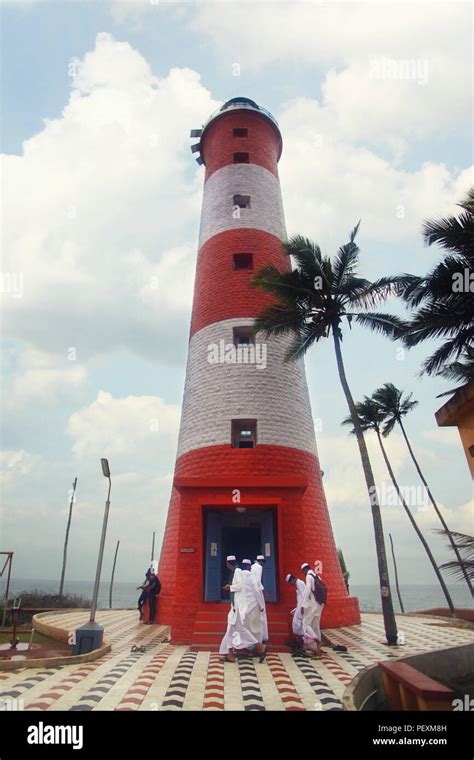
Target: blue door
{"x":245,"y":535}
{"x":213,"y":557}
{"x":268,"y":551}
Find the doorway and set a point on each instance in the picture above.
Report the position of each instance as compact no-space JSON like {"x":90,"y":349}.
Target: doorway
{"x":244,"y":534}
{"x":244,"y":542}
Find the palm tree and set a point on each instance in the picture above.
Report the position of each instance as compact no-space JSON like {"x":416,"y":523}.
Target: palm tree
{"x":465,"y":544}
{"x":394,"y":407}
{"x":66,"y":539}
{"x":371,"y":416}
{"x":345,"y":572}
{"x":461,"y":371}
{"x":444,"y":308}
{"x":312,"y":301}
{"x":400,"y":601}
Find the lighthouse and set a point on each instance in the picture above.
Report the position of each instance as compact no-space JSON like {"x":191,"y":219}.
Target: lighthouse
{"x":247,"y":479}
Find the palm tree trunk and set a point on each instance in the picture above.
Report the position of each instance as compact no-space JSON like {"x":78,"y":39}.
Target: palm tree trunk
{"x":113,"y":573}
{"x":66,"y":540}
{"x":386,"y":597}
{"x":442,"y":520}
{"x":396,"y":574}
{"x":417,"y":529}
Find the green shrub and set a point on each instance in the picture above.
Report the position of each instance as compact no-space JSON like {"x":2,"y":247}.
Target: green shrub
{"x":38,"y":598}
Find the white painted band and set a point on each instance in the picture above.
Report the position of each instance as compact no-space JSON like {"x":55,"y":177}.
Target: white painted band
{"x":266,"y":207}
{"x":276,"y":395}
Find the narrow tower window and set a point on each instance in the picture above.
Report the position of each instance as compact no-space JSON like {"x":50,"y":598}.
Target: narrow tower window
{"x":242,"y":261}
{"x":243,"y":336}
{"x":241,"y":158}
{"x":241,"y":132}
{"x":244,"y":434}
{"x":242,"y":201}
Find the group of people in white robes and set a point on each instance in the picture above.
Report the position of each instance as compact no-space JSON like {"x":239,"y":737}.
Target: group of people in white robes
{"x":247,"y":626}
{"x":310,"y":599}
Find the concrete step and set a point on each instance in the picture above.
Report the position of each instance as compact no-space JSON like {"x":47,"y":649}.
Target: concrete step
{"x":222,"y":615}
{"x":214,"y":647}
{"x":209,"y":637}
{"x":219,"y":626}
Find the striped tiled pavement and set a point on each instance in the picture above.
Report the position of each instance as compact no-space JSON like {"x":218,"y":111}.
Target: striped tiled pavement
{"x":166,"y":677}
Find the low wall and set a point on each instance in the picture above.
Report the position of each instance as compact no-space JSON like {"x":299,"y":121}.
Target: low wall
{"x":366,"y":691}
{"x":58,"y":634}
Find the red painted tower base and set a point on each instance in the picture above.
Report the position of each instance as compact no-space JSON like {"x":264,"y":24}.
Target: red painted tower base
{"x":302,"y":526}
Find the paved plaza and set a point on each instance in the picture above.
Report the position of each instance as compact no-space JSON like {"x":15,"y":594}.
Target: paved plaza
{"x":167,"y":677}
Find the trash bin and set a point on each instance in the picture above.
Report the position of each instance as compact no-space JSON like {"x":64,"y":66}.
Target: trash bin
{"x":87,"y":638}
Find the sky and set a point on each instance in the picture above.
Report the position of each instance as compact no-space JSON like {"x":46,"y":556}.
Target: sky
{"x":100,"y":210}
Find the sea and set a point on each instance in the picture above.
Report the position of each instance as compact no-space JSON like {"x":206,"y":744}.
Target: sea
{"x":125,"y":595}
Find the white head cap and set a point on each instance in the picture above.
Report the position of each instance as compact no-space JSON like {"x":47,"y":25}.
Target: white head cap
{"x":246,"y":562}
{"x":304,"y":566}
{"x":260,"y":556}
{"x":231,"y":558}
{"x":289,"y":577}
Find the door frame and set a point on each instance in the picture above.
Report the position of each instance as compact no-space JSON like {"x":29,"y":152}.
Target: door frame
{"x":255,"y":503}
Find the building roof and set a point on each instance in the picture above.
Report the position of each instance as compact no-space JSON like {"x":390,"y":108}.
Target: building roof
{"x":454,"y":410}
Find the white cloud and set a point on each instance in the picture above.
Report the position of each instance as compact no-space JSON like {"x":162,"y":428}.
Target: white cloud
{"x":103,"y":201}
{"x":15,"y":463}
{"x":383,"y":65}
{"x":138,"y":434}
{"x":46,"y":378}
{"x":329,"y":183}
{"x":132,"y":431}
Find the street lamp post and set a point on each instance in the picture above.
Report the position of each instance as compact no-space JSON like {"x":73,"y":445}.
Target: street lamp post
{"x":90,"y":636}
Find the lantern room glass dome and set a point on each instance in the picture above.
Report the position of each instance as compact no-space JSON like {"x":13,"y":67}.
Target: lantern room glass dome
{"x":238,"y":104}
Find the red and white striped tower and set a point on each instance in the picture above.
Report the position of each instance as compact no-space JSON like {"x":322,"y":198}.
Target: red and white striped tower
{"x":247,"y":478}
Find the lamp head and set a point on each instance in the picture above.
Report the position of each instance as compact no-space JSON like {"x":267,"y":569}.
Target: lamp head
{"x":105,"y":467}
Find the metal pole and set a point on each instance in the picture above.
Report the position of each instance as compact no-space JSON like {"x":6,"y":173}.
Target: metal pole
{"x":113,"y":573}
{"x":153,"y":547}
{"x":101,"y":556}
{"x":61,"y":585}
{"x":15,"y":610}
{"x":9,"y":560}
{"x":396,"y":573}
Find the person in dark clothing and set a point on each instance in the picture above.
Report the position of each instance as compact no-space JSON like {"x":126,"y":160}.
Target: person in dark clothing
{"x":143,"y":595}
{"x":153,"y":590}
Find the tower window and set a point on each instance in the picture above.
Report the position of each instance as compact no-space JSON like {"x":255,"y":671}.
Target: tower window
{"x":241,"y":158}
{"x":244,"y":434}
{"x":242,"y":201}
{"x":242,"y":261}
{"x":243,"y":336}
{"x":240,"y":132}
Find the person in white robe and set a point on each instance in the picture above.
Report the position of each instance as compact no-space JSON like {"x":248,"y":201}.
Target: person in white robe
{"x":254,"y":601}
{"x":311,"y":612}
{"x":237,"y":636}
{"x":300,"y":586}
{"x":257,"y":570}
